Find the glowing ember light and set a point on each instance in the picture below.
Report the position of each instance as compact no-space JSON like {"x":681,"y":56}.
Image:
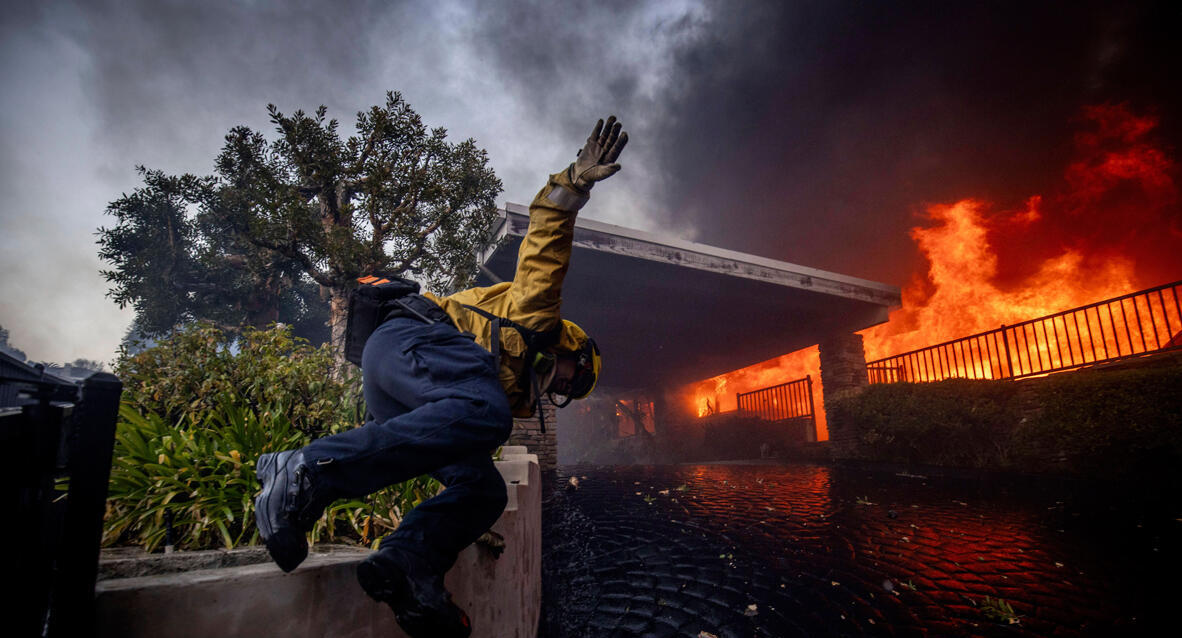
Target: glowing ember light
{"x":959,"y":296}
{"x":720,"y":392}
{"x":1071,"y":248}
{"x":1112,"y":227}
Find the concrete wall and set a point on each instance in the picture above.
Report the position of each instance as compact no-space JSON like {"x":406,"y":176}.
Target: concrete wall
{"x":322,"y":598}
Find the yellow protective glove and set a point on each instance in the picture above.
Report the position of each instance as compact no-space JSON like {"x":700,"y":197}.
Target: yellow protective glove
{"x":596,"y":161}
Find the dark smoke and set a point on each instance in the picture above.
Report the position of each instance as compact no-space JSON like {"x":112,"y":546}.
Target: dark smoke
{"x":812,"y":132}
{"x":806,"y":131}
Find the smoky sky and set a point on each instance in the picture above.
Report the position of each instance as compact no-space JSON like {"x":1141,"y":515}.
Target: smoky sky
{"x":813,"y":132}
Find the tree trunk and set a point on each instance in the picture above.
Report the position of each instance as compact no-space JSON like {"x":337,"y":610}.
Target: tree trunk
{"x":338,"y":312}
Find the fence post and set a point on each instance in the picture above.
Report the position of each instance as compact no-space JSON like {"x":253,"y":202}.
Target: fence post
{"x":33,"y":435}
{"x":90,"y":447}
{"x":812,"y":408}
{"x":1005,"y":338}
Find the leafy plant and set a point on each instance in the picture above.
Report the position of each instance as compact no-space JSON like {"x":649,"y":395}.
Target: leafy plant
{"x":954,"y":422}
{"x":286,"y":223}
{"x":998,"y":610}
{"x":205,"y":477}
{"x":185,"y":376}
{"x":1104,"y":423}
{"x":1112,"y":423}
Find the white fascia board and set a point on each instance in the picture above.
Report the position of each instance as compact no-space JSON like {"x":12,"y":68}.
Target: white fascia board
{"x":645,"y":245}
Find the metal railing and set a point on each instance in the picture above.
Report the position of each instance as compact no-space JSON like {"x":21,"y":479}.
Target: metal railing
{"x":1127,"y":326}
{"x":792,"y":400}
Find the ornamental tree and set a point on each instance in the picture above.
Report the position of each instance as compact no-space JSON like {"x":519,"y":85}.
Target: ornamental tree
{"x":284,"y":226}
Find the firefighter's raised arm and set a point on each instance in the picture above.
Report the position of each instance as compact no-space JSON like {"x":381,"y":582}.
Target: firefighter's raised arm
{"x":546,"y":248}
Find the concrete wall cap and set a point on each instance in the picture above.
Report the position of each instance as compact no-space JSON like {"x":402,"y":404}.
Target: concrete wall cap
{"x":197,"y":576}
{"x":528,"y":458}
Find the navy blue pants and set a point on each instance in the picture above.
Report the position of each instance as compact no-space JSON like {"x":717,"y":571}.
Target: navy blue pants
{"x":437,"y":408}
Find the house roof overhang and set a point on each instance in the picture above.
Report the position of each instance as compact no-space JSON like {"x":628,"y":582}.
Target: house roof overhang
{"x":666,"y":311}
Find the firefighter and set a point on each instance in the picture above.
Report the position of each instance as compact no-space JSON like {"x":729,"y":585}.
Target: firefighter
{"x":443,"y":382}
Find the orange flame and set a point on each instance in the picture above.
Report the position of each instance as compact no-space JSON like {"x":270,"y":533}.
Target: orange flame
{"x":959,"y":297}
{"x":719,"y":393}
{"x":1075,"y":247}
{"x":1111,"y":228}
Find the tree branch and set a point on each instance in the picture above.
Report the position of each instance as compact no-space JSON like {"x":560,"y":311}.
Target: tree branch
{"x":291,"y":252}
{"x":421,"y":243}
{"x":366,"y":150}
{"x":195,"y":286}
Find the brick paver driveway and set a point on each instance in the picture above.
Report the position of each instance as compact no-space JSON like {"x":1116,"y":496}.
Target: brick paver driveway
{"x":802,"y":550}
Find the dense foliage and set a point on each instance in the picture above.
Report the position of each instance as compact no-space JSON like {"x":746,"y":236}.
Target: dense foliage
{"x":1114,"y":423}
{"x":198,"y":411}
{"x":1101,"y":423}
{"x":186,"y":376}
{"x":283,"y":228}
{"x":955,"y":422}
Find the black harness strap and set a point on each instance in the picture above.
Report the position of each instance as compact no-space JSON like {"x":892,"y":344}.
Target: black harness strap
{"x":535,"y":341}
{"x":495,"y":342}
{"x":405,"y":306}
{"x":533,"y":380}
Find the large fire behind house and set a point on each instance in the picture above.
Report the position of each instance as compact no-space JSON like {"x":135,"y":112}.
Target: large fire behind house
{"x":1110,"y":226}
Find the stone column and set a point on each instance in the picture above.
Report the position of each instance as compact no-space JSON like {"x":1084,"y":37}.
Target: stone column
{"x":843,"y":370}
{"x":528,"y":432}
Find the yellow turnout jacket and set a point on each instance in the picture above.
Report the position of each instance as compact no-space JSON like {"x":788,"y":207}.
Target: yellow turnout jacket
{"x":533,"y":298}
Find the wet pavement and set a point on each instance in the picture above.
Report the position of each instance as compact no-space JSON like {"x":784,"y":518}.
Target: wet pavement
{"x":805,"y":550}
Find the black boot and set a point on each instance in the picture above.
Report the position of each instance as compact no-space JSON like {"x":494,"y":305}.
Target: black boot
{"x":421,"y":604}
{"x":287,"y":506}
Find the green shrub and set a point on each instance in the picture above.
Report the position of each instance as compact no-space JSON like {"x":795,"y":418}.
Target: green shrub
{"x":204,"y":476}
{"x":955,"y":422}
{"x":1112,"y":423}
{"x":200,"y":407}
{"x":185,"y":375}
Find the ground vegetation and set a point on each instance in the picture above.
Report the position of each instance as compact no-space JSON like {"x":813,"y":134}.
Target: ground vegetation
{"x":199,"y":408}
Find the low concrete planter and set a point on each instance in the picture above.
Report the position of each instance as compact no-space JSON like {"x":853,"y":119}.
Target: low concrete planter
{"x":322,"y":598}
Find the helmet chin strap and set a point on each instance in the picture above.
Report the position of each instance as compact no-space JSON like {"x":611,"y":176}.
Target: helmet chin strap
{"x":545,"y":382}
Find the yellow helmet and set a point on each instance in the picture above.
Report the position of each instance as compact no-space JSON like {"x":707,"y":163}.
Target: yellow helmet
{"x":588,"y":361}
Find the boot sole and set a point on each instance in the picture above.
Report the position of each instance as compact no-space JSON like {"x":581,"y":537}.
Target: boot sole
{"x":377,"y":586}
{"x":423,"y":623}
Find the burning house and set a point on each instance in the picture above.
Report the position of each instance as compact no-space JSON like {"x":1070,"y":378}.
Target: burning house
{"x":1092,"y":247}
{"x":697,"y":335}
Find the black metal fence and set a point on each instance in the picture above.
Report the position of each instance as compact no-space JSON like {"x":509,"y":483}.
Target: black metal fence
{"x":1127,"y":326}
{"x":792,"y":400}
{"x":59,"y":438}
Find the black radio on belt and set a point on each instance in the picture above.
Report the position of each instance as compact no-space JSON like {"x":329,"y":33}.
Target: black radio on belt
{"x":370,"y":304}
